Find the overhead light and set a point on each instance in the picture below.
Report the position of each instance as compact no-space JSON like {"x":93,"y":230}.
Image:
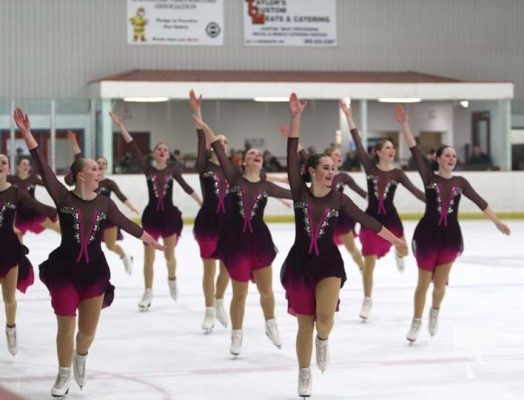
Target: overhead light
{"x":145,"y":99}
{"x":464,"y":103}
{"x":273,"y":99}
{"x":400,"y":100}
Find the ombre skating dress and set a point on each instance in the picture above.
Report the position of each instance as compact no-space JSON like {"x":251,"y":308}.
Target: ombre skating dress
{"x":28,"y":219}
{"x":246,"y":245}
{"x":213,"y":217}
{"x":161,"y":218}
{"x":78,"y":270}
{"x":12,"y":252}
{"x":314,"y":255}
{"x":382,"y":186}
{"x":437,"y":238}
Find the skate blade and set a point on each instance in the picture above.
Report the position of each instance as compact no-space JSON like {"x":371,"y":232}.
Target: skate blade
{"x":207,"y":331}
{"x":60,"y":397}
{"x":144,"y":308}
{"x":223,"y":323}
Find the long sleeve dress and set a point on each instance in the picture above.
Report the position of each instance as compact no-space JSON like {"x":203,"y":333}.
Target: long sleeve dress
{"x":213,"y":216}
{"x":28,"y":219}
{"x":345,"y":224}
{"x":12,"y":252}
{"x":314,"y":255}
{"x":247,"y":244}
{"x":161,"y":218}
{"x":77,"y":269}
{"x":382,"y":186}
{"x":105,"y":187}
{"x":437,"y":238}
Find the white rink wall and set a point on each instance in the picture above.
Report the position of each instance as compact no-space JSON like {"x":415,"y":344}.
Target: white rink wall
{"x":502,"y":190}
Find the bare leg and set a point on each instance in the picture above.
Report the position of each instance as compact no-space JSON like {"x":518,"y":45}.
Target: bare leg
{"x":349,"y":242}
{"x":222,"y":281}
{"x":367,"y":274}
{"x":208,"y":281}
{"x":264,"y":282}
{"x":440,"y":279}
{"x":238,"y":303}
{"x":65,"y":339}
{"x":149,"y":261}
{"x":169,"y":255}
{"x":304,"y":341}
{"x":88,"y":316}
{"x":424,"y":279}
{"x":110,"y":235}
{"x":9,"y":295}
{"x":326,"y":293}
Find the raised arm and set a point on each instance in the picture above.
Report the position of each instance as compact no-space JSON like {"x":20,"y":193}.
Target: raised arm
{"x":135,"y":150}
{"x":230,"y":171}
{"x":54,"y":187}
{"x":423,"y":168}
{"x":362,"y":153}
{"x":196,"y":106}
{"x":73,"y":141}
{"x":296,"y":108}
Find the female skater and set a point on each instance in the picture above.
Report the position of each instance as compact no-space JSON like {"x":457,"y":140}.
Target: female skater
{"x":28,"y":219}
{"x":247,"y":248}
{"x":210,"y":222}
{"x":161,"y":218}
{"x":16,"y":272}
{"x":76,"y":273}
{"x":313,"y":271}
{"x":437,"y":240}
{"x":345,"y":231}
{"x":382,"y":178}
{"x":107,"y":186}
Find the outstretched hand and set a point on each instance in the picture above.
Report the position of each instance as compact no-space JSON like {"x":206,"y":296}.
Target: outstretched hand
{"x":71,"y":136}
{"x":284,"y":130}
{"x":501,"y":226}
{"x":117,"y":120}
{"x":195,"y":102}
{"x":295,"y":106}
{"x":345,"y":108}
{"x":21,"y":120}
{"x":400,"y":114}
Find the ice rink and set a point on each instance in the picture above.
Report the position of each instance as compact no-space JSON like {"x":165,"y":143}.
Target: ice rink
{"x":163,"y":354}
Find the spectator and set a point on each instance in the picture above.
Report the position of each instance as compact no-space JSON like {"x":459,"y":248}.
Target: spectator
{"x":271,"y":163}
{"x":479,"y":160}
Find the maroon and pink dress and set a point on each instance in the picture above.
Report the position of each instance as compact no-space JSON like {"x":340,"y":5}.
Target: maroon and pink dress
{"x":246,"y":245}
{"x":28,"y":219}
{"x":214,"y":214}
{"x":437,"y":238}
{"x":161,"y":218}
{"x":314,"y":255}
{"x":78,"y":270}
{"x":382,"y":186}
{"x":12,"y":252}
{"x":345,"y":224}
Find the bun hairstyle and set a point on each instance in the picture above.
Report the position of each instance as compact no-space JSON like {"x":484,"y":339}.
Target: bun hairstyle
{"x":312,"y":162}
{"x":438,"y":153}
{"x":76,"y":167}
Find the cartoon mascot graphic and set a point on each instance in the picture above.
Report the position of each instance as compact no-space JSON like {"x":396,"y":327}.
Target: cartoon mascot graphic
{"x":139,"y":23}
